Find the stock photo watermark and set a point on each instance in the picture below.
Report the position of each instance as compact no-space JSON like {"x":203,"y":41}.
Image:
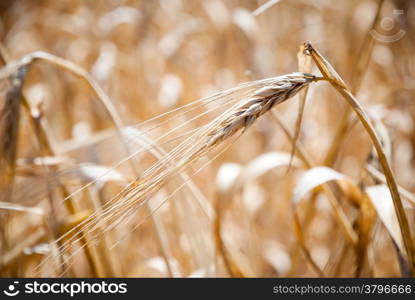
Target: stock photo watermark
{"x":63,"y":288}
{"x":12,"y":289}
{"x":391,"y":31}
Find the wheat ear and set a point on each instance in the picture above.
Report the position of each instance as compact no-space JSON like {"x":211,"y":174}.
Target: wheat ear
{"x":262,"y":101}
{"x":237,"y":118}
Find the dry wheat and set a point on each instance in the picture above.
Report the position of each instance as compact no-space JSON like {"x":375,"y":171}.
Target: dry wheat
{"x":237,"y":118}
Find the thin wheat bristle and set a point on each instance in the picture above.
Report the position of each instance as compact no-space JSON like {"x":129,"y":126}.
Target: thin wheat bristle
{"x":239,"y":117}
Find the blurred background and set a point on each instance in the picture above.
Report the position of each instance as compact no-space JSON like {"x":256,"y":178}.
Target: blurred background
{"x":151,"y":57}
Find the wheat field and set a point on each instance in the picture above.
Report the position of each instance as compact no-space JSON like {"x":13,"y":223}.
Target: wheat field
{"x":179,"y":138}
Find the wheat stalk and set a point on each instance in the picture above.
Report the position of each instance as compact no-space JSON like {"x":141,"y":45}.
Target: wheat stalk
{"x":9,"y":126}
{"x":330,"y":74}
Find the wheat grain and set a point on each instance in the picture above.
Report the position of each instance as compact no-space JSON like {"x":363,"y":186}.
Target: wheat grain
{"x":261,"y":102}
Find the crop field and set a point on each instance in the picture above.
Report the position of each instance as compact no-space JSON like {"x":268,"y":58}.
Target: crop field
{"x":216,"y":138}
